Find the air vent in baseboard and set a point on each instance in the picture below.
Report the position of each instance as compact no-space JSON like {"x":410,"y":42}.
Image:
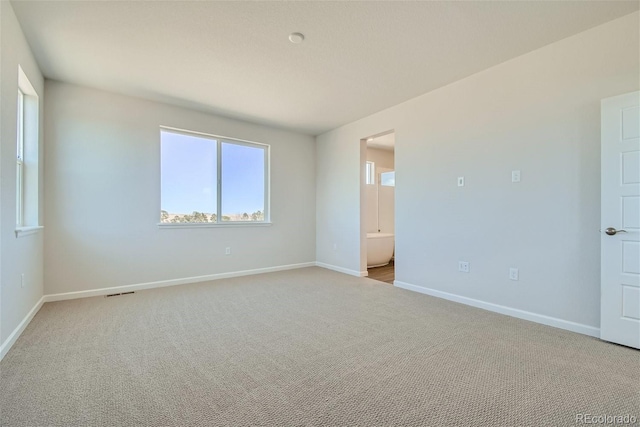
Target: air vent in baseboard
{"x":122,"y":293}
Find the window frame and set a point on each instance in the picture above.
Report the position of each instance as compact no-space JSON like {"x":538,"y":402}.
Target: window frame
{"x":382,"y":184}
{"x":20,"y":161}
{"x":370,"y":173}
{"x":28,"y":157}
{"x":219,"y":140}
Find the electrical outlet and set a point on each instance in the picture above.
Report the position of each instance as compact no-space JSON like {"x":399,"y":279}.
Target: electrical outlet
{"x":514,"y":273}
{"x":463,"y":266}
{"x":227,"y":250}
{"x":335,"y":247}
{"x":515,"y":176}
{"x":22,"y":280}
{"x":461,"y":181}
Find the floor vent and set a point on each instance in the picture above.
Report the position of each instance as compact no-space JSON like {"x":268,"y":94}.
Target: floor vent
{"x":122,"y":293}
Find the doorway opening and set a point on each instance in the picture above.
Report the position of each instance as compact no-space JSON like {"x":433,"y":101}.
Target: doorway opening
{"x":379,"y":206}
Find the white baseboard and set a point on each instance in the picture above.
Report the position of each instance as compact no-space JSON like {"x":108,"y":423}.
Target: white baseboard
{"x":513,"y":312}
{"x":172,"y":282}
{"x":8,"y":343}
{"x":342,"y":269}
{"x":521,"y":314}
{"x":6,"y":346}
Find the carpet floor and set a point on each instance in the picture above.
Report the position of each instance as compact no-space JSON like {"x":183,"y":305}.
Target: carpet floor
{"x":307,"y":347}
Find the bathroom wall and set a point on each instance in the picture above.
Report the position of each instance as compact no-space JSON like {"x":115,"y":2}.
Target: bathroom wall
{"x":386,"y":208}
{"x":380,"y":200}
{"x":382,"y":158}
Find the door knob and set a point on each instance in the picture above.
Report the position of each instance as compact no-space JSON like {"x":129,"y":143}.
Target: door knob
{"x":612,"y":231}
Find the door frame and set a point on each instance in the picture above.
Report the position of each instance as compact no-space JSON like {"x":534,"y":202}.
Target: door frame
{"x":363,"y":196}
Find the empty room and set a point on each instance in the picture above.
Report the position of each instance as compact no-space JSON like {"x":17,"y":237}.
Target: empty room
{"x":319,"y":213}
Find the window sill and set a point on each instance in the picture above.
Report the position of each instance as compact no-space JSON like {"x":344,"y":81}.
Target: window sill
{"x":25,"y":231}
{"x":210,"y":225}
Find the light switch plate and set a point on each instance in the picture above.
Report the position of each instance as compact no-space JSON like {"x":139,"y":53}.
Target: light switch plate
{"x":461,"y":181}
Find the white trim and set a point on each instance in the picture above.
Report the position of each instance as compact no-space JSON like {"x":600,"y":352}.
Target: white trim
{"x":25,"y":231}
{"x":513,"y":312}
{"x":6,"y":346}
{"x":209,"y":135}
{"x":162,"y":225}
{"x":24,"y":84}
{"x":171,"y":282}
{"x":219,"y":181}
{"x":342,"y":269}
{"x":8,"y":343}
{"x":521,"y":314}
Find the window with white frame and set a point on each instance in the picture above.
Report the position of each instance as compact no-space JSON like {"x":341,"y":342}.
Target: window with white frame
{"x":20,"y":161}
{"x":206,"y":179}
{"x":27,"y":155}
{"x":388,"y":179}
{"x":370,"y":173}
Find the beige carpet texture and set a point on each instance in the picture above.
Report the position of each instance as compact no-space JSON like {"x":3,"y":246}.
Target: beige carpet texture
{"x":307,"y":347}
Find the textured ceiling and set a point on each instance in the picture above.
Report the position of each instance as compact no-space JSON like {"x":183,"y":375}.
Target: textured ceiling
{"x":234,"y":58}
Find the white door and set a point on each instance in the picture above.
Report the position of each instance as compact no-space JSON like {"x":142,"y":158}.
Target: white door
{"x":620,"y":220}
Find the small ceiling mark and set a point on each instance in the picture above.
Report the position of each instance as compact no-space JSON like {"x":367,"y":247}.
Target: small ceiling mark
{"x":296,"y":38}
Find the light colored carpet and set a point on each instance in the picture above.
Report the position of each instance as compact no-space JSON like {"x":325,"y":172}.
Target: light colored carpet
{"x":304,"y":347}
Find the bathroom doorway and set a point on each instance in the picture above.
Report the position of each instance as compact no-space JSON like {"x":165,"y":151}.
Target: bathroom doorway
{"x":379,"y":206}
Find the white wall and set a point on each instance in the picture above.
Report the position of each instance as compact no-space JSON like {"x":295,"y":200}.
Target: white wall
{"x":103,"y":196}
{"x":24,"y":254}
{"x":538,"y":113}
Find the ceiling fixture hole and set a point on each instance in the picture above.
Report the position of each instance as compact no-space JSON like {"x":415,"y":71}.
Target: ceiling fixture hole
{"x":296,"y":38}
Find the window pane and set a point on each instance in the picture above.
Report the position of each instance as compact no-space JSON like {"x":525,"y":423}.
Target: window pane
{"x":20,"y":162}
{"x":20,"y":133}
{"x":243,"y":182}
{"x":370,"y":173}
{"x":188,"y":178}
{"x":19,"y":194}
{"x":388,"y":179}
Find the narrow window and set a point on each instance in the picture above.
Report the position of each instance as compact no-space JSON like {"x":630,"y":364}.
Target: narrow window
{"x":27,"y":157}
{"x":370,"y":177}
{"x":20,"y":162}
